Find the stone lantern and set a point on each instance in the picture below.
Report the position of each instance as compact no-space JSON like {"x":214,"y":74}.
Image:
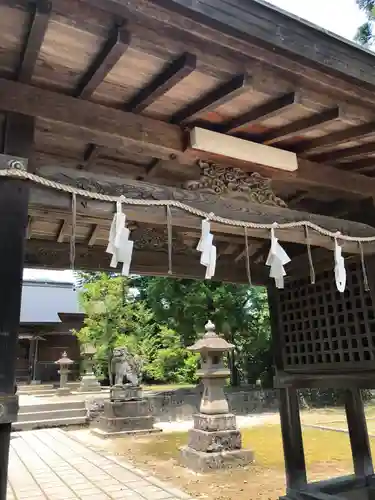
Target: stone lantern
{"x":214,"y":441}
{"x":89,"y":382}
{"x":64,"y":362}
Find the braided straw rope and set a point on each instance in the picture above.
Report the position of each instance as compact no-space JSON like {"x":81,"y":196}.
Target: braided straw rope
{"x":17,"y":173}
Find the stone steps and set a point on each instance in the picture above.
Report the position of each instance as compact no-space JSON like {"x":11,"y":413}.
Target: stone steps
{"x":43,"y":424}
{"x":39,"y":416}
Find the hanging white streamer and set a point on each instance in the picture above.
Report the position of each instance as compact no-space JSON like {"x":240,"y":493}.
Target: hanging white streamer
{"x":207,"y":249}
{"x":119,"y":244}
{"x":276,"y":260}
{"x":340,"y":271}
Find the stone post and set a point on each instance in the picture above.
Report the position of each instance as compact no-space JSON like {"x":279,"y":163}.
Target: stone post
{"x":215,"y":441}
{"x":64,"y":362}
{"x":89,"y":382}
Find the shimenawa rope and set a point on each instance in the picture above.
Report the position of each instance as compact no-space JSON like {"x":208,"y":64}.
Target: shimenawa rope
{"x":22,"y":174}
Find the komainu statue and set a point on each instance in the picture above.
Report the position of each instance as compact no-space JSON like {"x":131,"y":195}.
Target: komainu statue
{"x":126,"y":366}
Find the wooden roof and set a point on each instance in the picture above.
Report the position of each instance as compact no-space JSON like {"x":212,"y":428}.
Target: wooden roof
{"x":114,"y":85}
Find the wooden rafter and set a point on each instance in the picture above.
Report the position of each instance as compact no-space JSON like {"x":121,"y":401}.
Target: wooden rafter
{"x":212,"y":99}
{"x":337,"y":137}
{"x":300,"y":126}
{"x":169,"y":76}
{"x":344,"y":153}
{"x":40,"y":13}
{"x":262,"y":112}
{"x":110,"y":53}
{"x":150,"y":137}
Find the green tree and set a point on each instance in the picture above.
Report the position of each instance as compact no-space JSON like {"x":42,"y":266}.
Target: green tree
{"x":365,"y":33}
{"x":240,"y":313}
{"x":113,"y":317}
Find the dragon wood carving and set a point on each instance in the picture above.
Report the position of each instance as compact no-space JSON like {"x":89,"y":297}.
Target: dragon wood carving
{"x":235,"y":183}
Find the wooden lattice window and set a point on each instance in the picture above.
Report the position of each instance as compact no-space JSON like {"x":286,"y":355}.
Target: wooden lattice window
{"x":323,"y":329}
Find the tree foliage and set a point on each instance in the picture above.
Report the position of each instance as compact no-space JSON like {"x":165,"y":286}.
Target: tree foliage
{"x":365,"y":33}
{"x":157,"y":318}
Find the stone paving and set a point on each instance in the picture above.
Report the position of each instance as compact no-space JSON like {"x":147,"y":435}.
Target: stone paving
{"x":49,"y":464}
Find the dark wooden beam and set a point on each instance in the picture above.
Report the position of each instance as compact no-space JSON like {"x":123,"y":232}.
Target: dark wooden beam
{"x":211,"y":100}
{"x":344,"y":153}
{"x":113,"y":128}
{"x":206,"y":202}
{"x":110,"y":53}
{"x":357,"y":165}
{"x":262,"y":112}
{"x":51,"y":255}
{"x":300,"y":126}
{"x":40,"y":14}
{"x":348,"y":134}
{"x":94,"y":123}
{"x":171,"y":75}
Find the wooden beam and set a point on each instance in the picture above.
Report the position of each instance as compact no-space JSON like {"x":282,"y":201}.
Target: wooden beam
{"x":262,"y":112}
{"x":112,"y":128}
{"x":300,"y":126}
{"x":344,"y":153}
{"x":48,"y":254}
{"x":334,"y":138}
{"x":112,"y":50}
{"x":62,"y":231}
{"x":94,"y":123}
{"x":40,"y":14}
{"x":173,"y":73}
{"x":43,"y":198}
{"x":213,"y":99}
{"x":94,"y":234}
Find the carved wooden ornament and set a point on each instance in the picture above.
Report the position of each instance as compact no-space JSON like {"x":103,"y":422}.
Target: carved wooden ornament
{"x":235,"y":183}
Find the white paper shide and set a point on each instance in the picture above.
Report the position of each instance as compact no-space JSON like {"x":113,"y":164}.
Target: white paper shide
{"x":119,"y":244}
{"x":277,"y":258}
{"x":207,"y":249}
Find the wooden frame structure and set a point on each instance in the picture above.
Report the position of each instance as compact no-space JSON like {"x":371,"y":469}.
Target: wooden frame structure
{"x":103,"y":95}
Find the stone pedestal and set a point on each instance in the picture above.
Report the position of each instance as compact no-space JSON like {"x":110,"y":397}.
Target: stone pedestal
{"x":214,"y":443}
{"x":122,"y":417}
{"x":89,"y":383}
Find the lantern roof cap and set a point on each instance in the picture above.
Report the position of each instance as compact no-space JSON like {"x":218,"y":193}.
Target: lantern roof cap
{"x":211,"y":341}
{"x":64,"y":360}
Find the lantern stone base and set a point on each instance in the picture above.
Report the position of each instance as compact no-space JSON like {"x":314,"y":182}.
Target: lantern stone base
{"x":214,"y":443}
{"x":125,"y":417}
{"x":63,"y":391}
{"x":89,"y":383}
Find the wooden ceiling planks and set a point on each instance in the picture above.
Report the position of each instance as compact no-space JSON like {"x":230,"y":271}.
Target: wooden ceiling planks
{"x":76,"y":58}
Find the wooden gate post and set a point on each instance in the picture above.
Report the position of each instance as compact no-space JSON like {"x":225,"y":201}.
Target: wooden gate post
{"x":17,"y":143}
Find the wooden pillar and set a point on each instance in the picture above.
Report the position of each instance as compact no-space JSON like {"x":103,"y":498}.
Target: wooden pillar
{"x":358,"y":434}
{"x":294,"y":457}
{"x":18,"y":139}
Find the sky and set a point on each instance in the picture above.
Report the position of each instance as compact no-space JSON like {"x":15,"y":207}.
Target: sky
{"x":341,"y":17}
